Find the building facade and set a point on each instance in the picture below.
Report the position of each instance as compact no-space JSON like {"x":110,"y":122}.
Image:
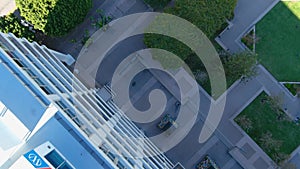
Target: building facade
{"x":52,"y":120}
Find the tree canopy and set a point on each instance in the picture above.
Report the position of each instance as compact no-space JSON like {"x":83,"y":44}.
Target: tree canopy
{"x":11,"y":24}
{"x":54,"y":17}
{"x":208,"y":15}
{"x":240,"y":65}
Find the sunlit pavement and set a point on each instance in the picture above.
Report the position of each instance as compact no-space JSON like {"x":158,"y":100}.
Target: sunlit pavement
{"x":7,"y":6}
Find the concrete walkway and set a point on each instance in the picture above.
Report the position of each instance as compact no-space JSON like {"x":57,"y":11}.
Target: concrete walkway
{"x":230,"y":146}
{"x":71,"y":43}
{"x":247,"y":13}
{"x":242,"y":149}
{"x":229,"y":139}
{"x":7,"y":6}
{"x":239,"y":97}
{"x":295,"y":158}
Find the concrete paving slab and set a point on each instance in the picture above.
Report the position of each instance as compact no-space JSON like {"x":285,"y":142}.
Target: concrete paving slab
{"x":248,"y":150}
{"x":7,"y":6}
{"x":260,"y":163}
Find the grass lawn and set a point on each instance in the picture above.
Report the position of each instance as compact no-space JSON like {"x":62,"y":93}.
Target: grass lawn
{"x":278,"y":47}
{"x":284,"y":132}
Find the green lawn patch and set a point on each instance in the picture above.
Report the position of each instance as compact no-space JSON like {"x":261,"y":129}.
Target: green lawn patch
{"x":270,"y":128}
{"x":279,"y":45}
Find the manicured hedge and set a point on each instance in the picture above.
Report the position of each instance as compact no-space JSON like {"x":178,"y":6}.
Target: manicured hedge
{"x":208,"y":15}
{"x":54,"y":17}
{"x":11,"y":24}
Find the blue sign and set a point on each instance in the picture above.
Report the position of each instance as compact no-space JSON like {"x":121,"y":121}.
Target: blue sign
{"x":36,"y":160}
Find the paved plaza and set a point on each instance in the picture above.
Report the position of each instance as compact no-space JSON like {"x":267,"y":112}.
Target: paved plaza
{"x":229,"y":145}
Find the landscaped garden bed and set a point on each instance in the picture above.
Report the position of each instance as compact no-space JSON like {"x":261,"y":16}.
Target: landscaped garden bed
{"x":278,"y":47}
{"x":270,"y":127}
{"x":54,"y":17}
{"x":293,"y":88}
{"x":210,"y":17}
{"x":207,"y":163}
{"x":249,"y":40}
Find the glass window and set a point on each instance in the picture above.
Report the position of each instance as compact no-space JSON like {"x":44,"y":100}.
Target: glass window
{"x":54,"y":158}
{"x":57,"y":161}
{"x":65,"y":165}
{"x":120,"y":165}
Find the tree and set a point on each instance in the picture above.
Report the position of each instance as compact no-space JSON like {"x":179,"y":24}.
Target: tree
{"x":297,"y":87}
{"x":11,"y":24}
{"x":54,"y":17}
{"x":289,"y":166}
{"x":275,"y":103}
{"x":279,"y":158}
{"x":242,"y":65}
{"x":269,"y":144}
{"x":208,"y":15}
{"x":245,"y":123}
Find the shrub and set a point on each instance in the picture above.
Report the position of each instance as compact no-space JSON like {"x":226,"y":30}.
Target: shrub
{"x":54,"y":17}
{"x":244,"y":122}
{"x":239,"y":65}
{"x":10,"y":23}
{"x":208,"y":15}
